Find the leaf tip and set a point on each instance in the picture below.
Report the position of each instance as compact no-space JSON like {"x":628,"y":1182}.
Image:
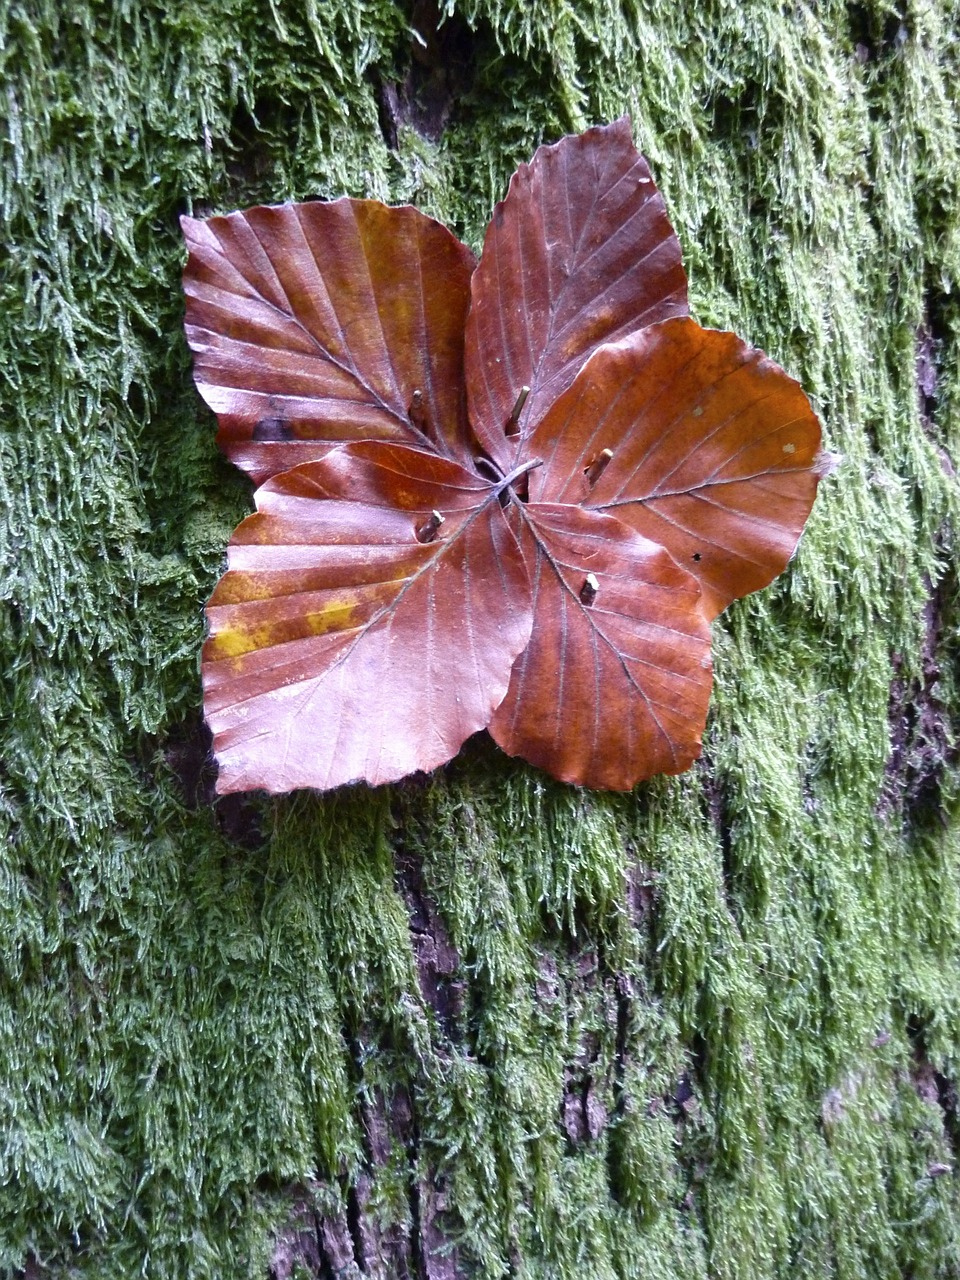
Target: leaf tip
{"x":188,"y":225}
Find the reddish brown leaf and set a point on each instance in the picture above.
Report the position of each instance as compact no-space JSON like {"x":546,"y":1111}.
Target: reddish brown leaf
{"x":615,"y":682}
{"x":386,"y":601}
{"x":341,"y":645}
{"x":712,"y":452}
{"x":320,"y":322}
{"x":579,"y":253}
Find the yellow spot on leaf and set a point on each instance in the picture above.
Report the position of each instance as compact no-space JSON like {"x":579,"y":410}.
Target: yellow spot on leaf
{"x":235,"y":641}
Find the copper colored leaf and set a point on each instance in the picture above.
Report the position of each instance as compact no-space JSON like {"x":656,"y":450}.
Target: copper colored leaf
{"x":579,"y":253}
{"x":615,"y":682}
{"x":343,"y":647}
{"x":547,"y":568}
{"x":320,"y":323}
{"x":713,"y":452}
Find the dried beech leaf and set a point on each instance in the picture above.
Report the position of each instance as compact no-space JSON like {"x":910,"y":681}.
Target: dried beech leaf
{"x":546,"y":567}
{"x":341,"y":646}
{"x":713,"y":452}
{"x":579,"y":253}
{"x":615,"y":682}
{"x":320,"y":322}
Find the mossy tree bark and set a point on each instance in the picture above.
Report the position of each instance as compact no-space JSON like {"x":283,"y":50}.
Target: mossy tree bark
{"x":479,"y":1023}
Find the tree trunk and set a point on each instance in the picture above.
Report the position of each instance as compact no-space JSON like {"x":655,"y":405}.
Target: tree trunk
{"x":479,"y":1023}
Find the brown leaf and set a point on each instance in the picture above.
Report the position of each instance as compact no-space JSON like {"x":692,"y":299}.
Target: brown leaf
{"x":401,"y":589}
{"x":712,"y":452}
{"x":579,"y":253}
{"x":341,"y":645}
{"x":615,"y":682}
{"x":322,"y":323}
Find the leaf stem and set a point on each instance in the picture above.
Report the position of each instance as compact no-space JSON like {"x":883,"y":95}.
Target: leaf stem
{"x":517,"y":472}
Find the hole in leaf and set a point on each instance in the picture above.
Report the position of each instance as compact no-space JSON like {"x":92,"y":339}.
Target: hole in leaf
{"x":430,"y":529}
{"x":489,"y":470}
{"x":597,"y":467}
{"x":512,"y":427}
{"x":272,"y":429}
{"x":416,"y":411}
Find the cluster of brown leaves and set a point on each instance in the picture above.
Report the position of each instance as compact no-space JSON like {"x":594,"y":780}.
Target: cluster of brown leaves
{"x":509,"y":494}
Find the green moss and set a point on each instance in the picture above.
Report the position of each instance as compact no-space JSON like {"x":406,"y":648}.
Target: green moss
{"x":750,"y":974}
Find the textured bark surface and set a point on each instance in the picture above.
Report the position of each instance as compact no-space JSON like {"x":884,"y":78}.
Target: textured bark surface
{"x":479,"y":1023}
